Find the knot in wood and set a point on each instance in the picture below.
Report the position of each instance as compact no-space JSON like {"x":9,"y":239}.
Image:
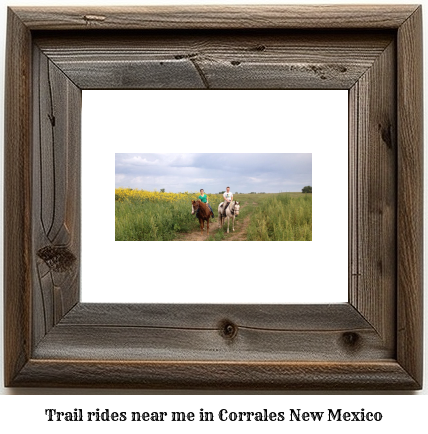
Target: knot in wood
{"x":58,"y":259}
{"x":386,"y":134}
{"x":351,"y":340}
{"x":227,"y":329}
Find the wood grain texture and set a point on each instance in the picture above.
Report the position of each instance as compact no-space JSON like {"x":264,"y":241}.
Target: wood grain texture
{"x":216,"y":59}
{"x":322,"y":317}
{"x":56,"y":194}
{"x":374,"y":342}
{"x":199,"y":332}
{"x":223,"y":16}
{"x":410,"y":197}
{"x":385,"y":375}
{"x":373,"y":178}
{"x":17,"y":199}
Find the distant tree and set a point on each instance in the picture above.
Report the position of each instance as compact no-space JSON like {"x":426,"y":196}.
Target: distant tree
{"x":307,"y":189}
{"x":162,"y":190}
{"x":221,"y":192}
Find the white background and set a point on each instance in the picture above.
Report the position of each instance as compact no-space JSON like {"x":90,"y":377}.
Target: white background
{"x":27,"y":412}
{"x":251,"y":121}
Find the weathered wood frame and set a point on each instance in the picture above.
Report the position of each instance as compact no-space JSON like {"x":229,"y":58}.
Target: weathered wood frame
{"x":372,"y":342}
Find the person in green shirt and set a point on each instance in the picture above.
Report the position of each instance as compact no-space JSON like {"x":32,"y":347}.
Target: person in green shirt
{"x":204,"y":198}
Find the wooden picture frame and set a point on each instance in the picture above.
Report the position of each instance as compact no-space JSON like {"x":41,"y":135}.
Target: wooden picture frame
{"x":372,"y":342}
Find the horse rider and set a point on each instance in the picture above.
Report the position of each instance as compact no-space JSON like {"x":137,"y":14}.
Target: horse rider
{"x":204,"y":198}
{"x":228,"y":197}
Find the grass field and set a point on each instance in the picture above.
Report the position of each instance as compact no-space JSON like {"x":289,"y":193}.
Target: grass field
{"x":154,"y":216}
{"x":282,"y":217}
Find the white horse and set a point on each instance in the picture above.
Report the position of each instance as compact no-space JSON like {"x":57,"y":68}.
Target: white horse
{"x":231,"y":212}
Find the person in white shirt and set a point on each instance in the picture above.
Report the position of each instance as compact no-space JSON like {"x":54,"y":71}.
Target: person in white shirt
{"x":228,"y":197}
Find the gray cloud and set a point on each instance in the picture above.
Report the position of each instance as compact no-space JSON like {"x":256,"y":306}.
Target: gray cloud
{"x":270,"y":173}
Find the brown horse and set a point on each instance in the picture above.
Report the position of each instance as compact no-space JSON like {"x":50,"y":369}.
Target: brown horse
{"x":203,"y":213}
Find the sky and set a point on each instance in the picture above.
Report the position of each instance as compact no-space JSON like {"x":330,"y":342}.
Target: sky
{"x":243,"y":173}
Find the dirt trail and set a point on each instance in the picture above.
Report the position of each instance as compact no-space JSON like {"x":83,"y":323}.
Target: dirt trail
{"x":196,"y":234}
{"x":240,"y":233}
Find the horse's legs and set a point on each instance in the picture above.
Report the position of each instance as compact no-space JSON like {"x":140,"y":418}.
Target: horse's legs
{"x":228,"y":218}
{"x":233,"y":223}
{"x":208,"y":227}
{"x":201,"y":224}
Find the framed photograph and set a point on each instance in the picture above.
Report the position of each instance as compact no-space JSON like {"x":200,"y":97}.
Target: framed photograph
{"x":371,"y":341}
